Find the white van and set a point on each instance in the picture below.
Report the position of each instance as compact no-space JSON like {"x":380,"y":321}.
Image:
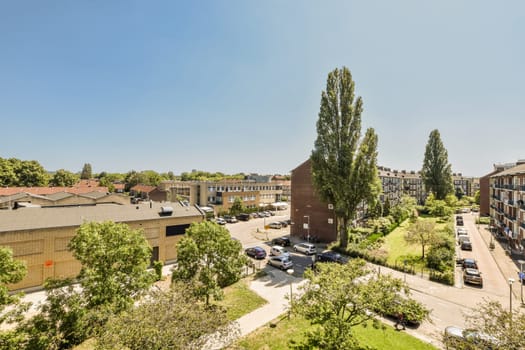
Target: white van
{"x":278,"y":250}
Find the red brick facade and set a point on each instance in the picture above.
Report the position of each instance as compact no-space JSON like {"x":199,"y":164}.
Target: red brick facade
{"x":307,"y":206}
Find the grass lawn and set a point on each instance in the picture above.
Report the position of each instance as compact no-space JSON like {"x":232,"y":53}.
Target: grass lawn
{"x":239,"y":299}
{"x":396,"y":246}
{"x":285,"y":331}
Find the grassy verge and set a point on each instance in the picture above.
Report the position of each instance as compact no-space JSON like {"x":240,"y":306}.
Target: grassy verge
{"x":287,"y":332}
{"x":239,"y":299}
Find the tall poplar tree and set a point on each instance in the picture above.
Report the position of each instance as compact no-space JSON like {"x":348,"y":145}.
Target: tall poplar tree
{"x":437,"y":172}
{"x":344,"y":166}
{"x":86,"y":173}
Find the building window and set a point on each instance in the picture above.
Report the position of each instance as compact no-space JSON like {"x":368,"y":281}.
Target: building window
{"x":176,"y":230}
{"x":330,"y":221}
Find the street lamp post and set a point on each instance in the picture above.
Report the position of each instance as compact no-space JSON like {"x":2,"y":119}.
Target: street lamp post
{"x":522,"y":277}
{"x":307,"y":228}
{"x":511,"y":281}
{"x":290,"y":272}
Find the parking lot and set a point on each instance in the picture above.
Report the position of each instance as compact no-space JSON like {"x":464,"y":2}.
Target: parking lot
{"x":253,"y":233}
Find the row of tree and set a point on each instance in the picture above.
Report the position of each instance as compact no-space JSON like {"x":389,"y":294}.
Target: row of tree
{"x":344,"y":162}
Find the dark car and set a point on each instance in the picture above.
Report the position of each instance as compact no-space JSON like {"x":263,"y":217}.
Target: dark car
{"x":282,"y":241}
{"x":283,"y":223}
{"x":466,"y":245}
{"x":472,"y":276}
{"x":256,"y":252}
{"x":329,"y":256}
{"x":469,"y":264}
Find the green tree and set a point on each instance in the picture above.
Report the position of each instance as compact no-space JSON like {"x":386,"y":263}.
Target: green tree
{"x":7,"y":173}
{"x":114,"y":261}
{"x":437,"y":172}
{"x":422,"y":232}
{"x":113,"y":276}
{"x":500,"y":325}
{"x":333,"y":299}
{"x":30,"y":173}
{"x":209,"y":259}
{"x":344,"y":166}
{"x":63,"y":178}
{"x":404,"y":209}
{"x":476,"y":197}
{"x":170,"y":319}
{"x":63,"y":320}
{"x":11,"y":271}
{"x":439,"y":208}
{"x":237,"y":206}
{"x":87,"y":172}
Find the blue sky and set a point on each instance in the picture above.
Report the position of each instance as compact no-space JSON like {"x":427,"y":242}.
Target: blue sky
{"x":234,"y":86}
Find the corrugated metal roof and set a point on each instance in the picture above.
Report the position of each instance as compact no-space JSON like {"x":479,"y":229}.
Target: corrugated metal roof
{"x":37,"y":218}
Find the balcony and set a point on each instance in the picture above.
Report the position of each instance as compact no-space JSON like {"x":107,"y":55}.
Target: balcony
{"x":522,"y":225}
{"x":498,"y":198}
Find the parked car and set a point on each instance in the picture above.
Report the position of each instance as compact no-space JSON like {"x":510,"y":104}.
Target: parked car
{"x":220,"y":221}
{"x":305,"y":248}
{"x":469,"y":264}
{"x":466,"y":245}
{"x":282,"y":241}
{"x":472,"y":276}
{"x":463,"y":238}
{"x":230,"y":219}
{"x":462,"y":231}
{"x":459,"y":338}
{"x":283,"y":223}
{"x":329,"y":256}
{"x":277,"y":250}
{"x":275,"y":224}
{"x":243,"y":217}
{"x":256,"y":252}
{"x":459,"y":222}
{"x":282,"y":262}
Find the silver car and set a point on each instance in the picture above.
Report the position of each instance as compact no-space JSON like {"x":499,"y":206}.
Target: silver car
{"x":305,"y":248}
{"x":282,"y":262}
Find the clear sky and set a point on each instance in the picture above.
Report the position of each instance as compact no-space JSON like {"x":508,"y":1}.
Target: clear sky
{"x":235,"y":86}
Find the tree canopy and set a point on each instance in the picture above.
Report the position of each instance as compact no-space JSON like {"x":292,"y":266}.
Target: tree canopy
{"x":209,"y":259}
{"x":11,"y":271}
{"x":24,"y":173}
{"x":63,"y":178}
{"x":172,"y":319}
{"x":437,"y":172}
{"x":114,"y":261}
{"x":338,"y":297}
{"x":344,"y":165}
{"x":422,"y":232}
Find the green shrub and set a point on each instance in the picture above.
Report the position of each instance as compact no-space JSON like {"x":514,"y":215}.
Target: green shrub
{"x":157,"y":266}
{"x":446,"y":277}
